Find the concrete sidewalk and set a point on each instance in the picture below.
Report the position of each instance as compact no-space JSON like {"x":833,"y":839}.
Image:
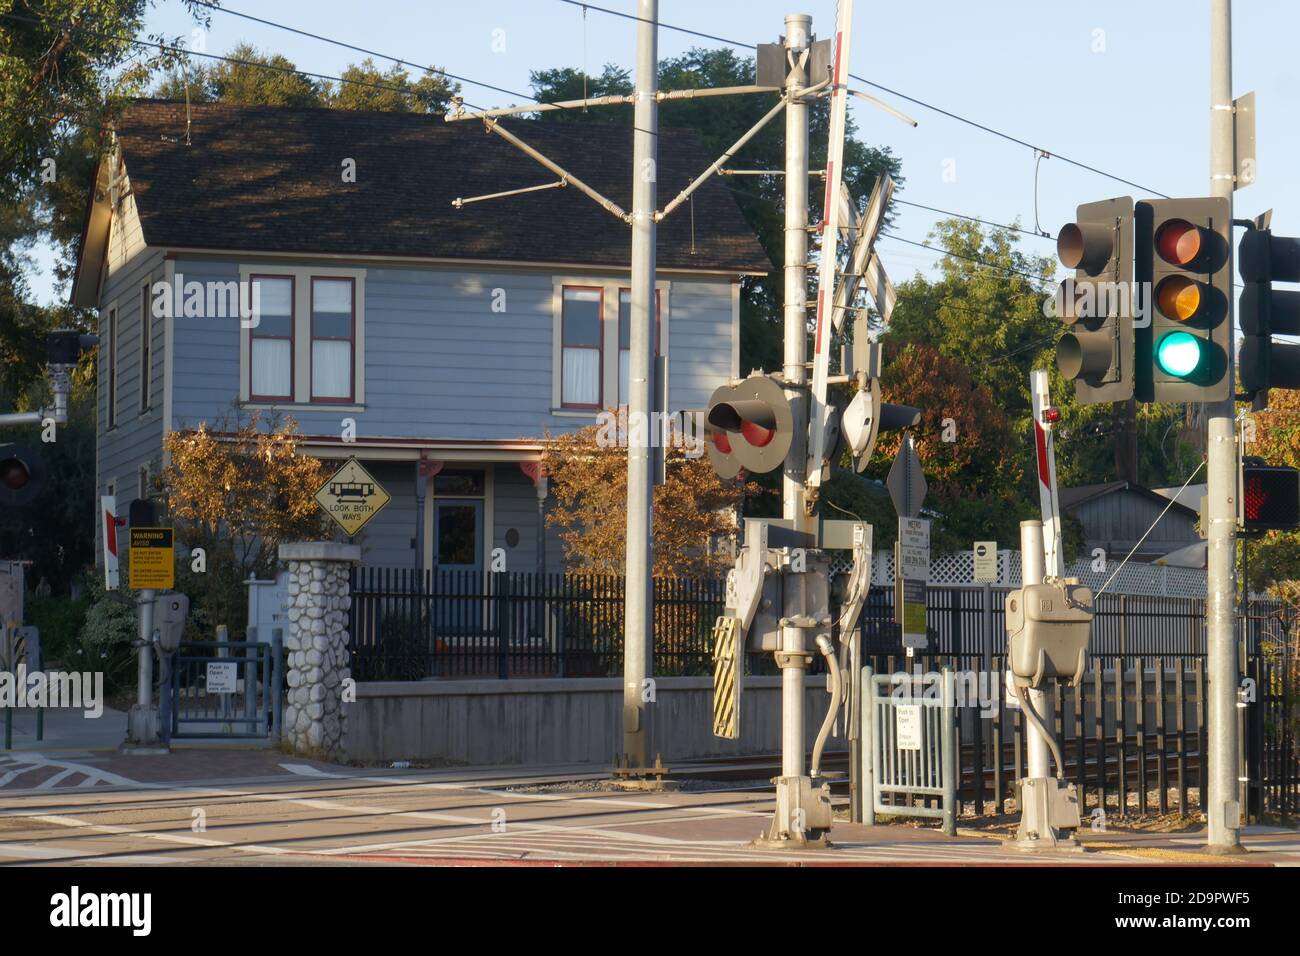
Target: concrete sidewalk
{"x":66,"y":728}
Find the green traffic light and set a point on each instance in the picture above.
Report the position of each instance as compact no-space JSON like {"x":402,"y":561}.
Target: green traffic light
{"x":1179,"y":354}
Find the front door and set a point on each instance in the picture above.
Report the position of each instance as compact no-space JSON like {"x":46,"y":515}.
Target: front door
{"x":458,"y":534}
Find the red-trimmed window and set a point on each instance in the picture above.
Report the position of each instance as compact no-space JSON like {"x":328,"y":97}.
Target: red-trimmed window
{"x":333,"y":339}
{"x":270,"y":340}
{"x":582,"y":347}
{"x":625,"y":341}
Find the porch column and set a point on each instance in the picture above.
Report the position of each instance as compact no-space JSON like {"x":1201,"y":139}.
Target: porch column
{"x":317,"y":645}
{"x":536,"y":473}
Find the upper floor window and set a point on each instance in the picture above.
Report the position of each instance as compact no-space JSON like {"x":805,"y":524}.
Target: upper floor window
{"x":271,"y":340}
{"x":583,"y":348}
{"x":625,"y":341}
{"x":333,"y":331}
{"x":308,"y":343}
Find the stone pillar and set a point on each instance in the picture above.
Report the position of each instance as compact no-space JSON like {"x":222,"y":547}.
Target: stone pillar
{"x":317,"y":645}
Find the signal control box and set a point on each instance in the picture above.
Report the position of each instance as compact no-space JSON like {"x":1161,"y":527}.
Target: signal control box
{"x":1048,"y":626}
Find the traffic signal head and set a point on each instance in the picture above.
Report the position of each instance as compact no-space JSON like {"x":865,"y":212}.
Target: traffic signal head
{"x":748,"y":426}
{"x":1270,"y":497}
{"x":1096,"y":303}
{"x":64,"y":346}
{"x":22,"y":474}
{"x":1182,"y":270}
{"x":1263,"y":259}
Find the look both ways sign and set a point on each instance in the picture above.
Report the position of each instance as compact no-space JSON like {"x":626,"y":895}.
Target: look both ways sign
{"x":351,"y":496}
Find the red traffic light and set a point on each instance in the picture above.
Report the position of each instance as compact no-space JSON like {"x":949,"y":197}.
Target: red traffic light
{"x":1178,"y":242}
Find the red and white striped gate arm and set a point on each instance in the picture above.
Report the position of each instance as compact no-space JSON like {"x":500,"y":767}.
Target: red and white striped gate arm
{"x":1045,"y":449}
{"x":830,"y":232}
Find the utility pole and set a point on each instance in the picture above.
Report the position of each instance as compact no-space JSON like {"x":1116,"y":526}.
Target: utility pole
{"x":1223,"y":812}
{"x":794,"y":369}
{"x":638,"y":624}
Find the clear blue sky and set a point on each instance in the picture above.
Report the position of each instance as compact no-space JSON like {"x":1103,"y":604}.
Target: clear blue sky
{"x":1123,"y":86}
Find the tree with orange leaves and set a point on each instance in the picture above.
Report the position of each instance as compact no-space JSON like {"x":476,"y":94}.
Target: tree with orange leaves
{"x":237,"y":490}
{"x":694,"y":510}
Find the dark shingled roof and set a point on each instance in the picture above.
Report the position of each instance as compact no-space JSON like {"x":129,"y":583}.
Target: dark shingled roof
{"x":269,"y":179}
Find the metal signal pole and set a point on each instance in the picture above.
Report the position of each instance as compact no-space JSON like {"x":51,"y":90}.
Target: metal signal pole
{"x":1223,"y":812}
{"x":638,"y":625}
{"x":794,"y":368}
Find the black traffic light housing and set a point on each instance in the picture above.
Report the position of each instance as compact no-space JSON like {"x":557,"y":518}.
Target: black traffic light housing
{"x":1096,"y":351}
{"x":1262,"y":259}
{"x":64,"y":346}
{"x":1183,"y":269}
{"x":22,"y":474}
{"x":1270,"y":497}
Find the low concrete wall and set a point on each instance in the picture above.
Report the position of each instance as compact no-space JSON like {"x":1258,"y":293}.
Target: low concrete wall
{"x":556,"y":720}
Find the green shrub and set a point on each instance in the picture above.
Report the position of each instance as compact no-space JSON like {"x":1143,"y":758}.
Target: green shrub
{"x":60,"y":621}
{"x":105,"y":642}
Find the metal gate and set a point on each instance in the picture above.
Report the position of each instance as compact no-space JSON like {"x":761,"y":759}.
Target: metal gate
{"x":229,"y":690}
{"x":911,"y":752}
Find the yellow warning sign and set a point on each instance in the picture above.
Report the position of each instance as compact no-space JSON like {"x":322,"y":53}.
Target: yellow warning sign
{"x":351,"y":496}
{"x":152,"y":559}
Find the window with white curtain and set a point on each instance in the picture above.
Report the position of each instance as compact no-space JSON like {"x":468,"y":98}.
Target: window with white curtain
{"x":333,"y":331}
{"x":625,"y":341}
{"x":583,"y":349}
{"x":271,"y":339}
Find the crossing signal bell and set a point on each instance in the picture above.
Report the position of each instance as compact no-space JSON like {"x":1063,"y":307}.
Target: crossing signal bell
{"x":1183,"y":267}
{"x":1263,"y":259}
{"x":749,"y":426}
{"x":1097,"y":350}
{"x":22,"y":474}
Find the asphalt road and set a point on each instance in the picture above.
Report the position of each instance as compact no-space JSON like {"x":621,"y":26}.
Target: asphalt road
{"x":302,"y":813}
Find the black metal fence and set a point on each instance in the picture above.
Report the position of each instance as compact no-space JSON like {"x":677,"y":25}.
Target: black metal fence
{"x":1132,"y":732}
{"x":408,"y":625}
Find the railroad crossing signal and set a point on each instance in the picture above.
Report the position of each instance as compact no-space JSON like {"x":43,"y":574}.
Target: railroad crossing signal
{"x":1183,"y":259}
{"x":22,"y":474}
{"x":1097,"y":352}
{"x":1270,"y":497}
{"x":749,"y":426}
{"x":1263,"y":259}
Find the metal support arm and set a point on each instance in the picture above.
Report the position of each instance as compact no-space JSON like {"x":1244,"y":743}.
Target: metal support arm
{"x":605,"y":203}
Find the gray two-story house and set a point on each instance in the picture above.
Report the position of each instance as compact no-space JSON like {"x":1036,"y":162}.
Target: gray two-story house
{"x":435,"y":341}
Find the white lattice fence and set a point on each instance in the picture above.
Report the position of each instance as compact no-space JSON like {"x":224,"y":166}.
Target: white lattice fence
{"x":1134,"y":578}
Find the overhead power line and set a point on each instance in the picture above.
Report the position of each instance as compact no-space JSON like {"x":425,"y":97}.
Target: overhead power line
{"x":361,"y":49}
{"x":911,"y":99}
